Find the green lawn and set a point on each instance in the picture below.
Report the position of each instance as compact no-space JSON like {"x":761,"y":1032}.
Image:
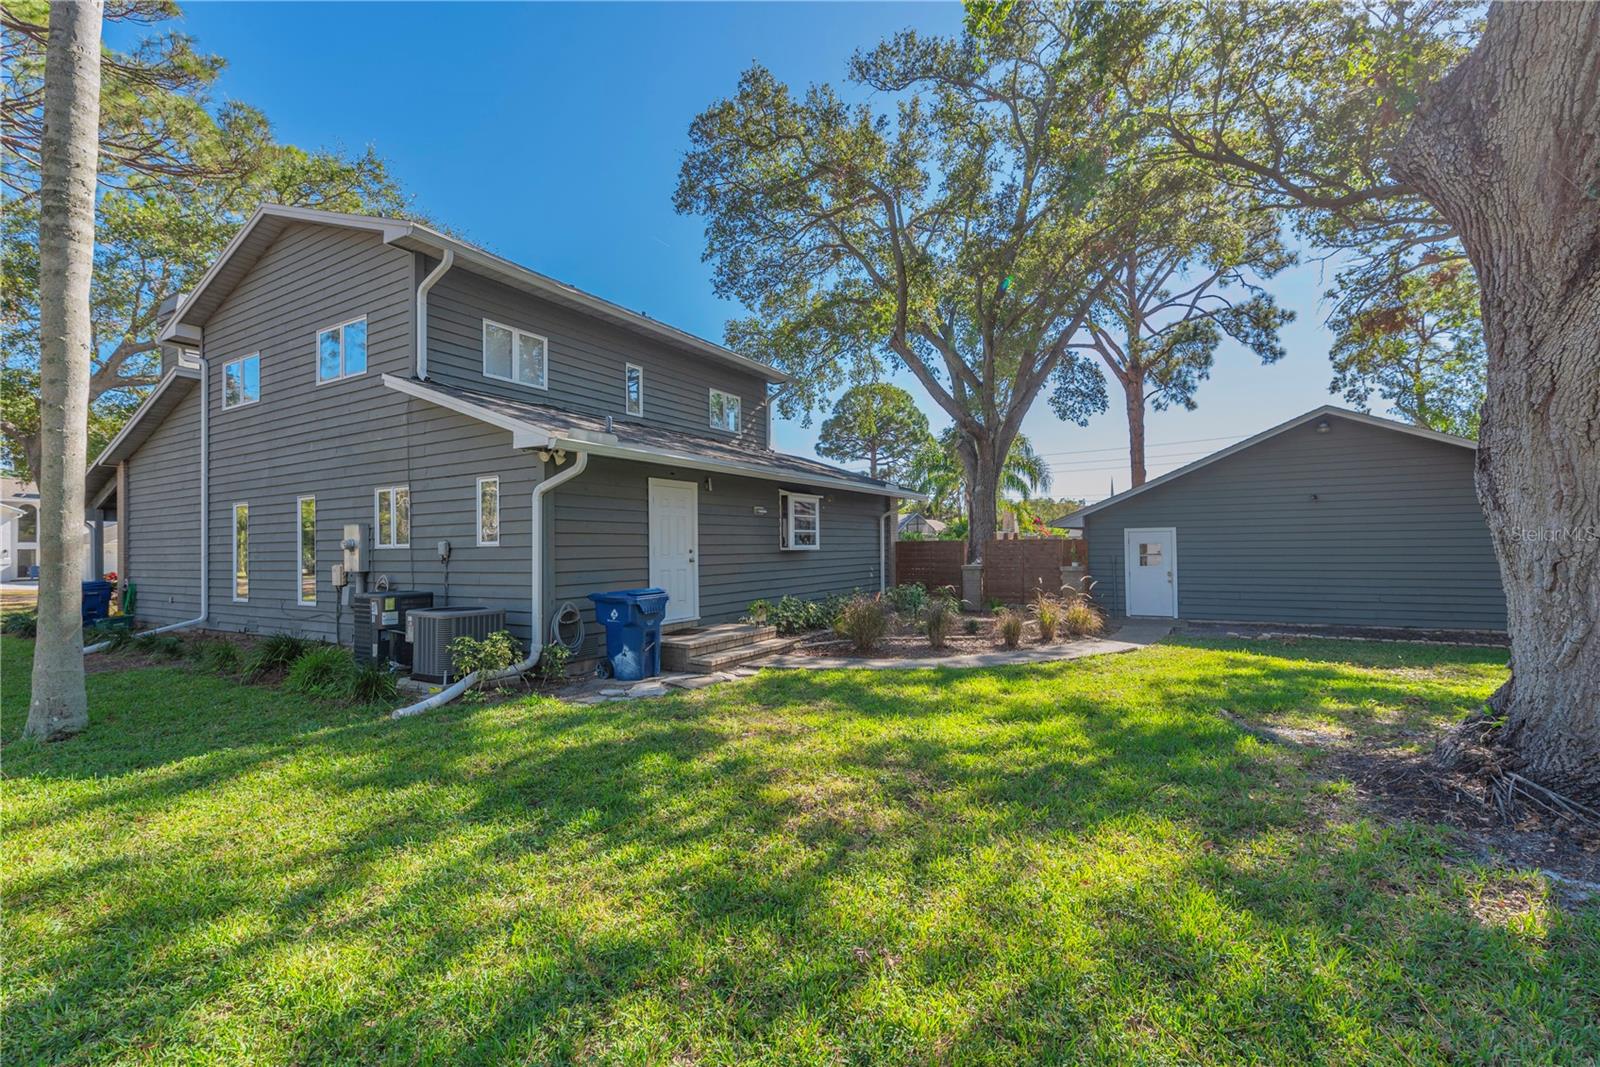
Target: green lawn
{"x":1069,"y":863}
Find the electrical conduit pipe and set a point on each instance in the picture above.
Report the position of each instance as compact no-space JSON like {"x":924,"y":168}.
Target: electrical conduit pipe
{"x":536,"y":607}
{"x":205,"y":513}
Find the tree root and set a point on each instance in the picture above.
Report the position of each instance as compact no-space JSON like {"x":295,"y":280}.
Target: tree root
{"x":1475,"y":749}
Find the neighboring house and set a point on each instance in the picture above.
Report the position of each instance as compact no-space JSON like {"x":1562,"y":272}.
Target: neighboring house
{"x":19,"y":535}
{"x":922,"y":525}
{"x":1332,"y":518}
{"x":338,"y":369}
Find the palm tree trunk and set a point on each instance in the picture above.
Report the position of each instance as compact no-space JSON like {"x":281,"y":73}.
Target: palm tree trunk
{"x":69,"y":155}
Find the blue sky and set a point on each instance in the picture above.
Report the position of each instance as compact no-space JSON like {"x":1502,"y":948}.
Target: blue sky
{"x":552,"y":134}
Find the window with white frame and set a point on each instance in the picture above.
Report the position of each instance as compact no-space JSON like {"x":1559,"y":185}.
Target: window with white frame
{"x":489,"y":511}
{"x":799,"y":522}
{"x":342,"y":350}
{"x":241,"y":552}
{"x":633,"y":389}
{"x":241,"y":381}
{"x":306,"y":518}
{"x":724,"y":411}
{"x":391,"y":516}
{"x":514,"y":355}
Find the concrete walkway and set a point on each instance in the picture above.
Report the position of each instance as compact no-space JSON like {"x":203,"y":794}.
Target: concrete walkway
{"x":1132,"y":634}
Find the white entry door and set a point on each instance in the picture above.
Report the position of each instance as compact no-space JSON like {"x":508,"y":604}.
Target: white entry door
{"x":675,"y":546}
{"x":1151,"y":570}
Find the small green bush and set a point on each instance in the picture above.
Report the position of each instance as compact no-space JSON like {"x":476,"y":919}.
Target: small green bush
{"x":971,"y":626}
{"x":791,"y":615}
{"x":217,"y":656}
{"x":275,"y":652}
{"x":938,"y":618}
{"x":24,"y":624}
{"x":324,"y":672}
{"x":552,"y":666}
{"x":494,"y":653}
{"x":168,"y":646}
{"x":908,"y":600}
{"x":1009,"y":623}
{"x":864,"y":621}
{"x":373,"y":683}
{"x":1047,"y":611}
{"x":759,"y":612}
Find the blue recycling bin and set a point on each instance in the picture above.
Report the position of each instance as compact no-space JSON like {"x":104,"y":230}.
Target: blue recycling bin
{"x":632,"y":618}
{"x":96,"y":601}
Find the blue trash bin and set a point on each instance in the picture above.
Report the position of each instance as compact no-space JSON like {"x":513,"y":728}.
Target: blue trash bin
{"x":96,"y":601}
{"x":632,"y":620}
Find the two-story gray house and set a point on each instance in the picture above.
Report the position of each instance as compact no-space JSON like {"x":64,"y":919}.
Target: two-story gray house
{"x":333,"y":369}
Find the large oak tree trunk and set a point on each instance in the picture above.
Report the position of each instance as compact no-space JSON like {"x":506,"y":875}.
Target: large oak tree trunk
{"x":69,"y":156}
{"x":1508,"y":149}
{"x":983,"y":462}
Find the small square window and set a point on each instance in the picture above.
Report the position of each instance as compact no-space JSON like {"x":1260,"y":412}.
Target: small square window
{"x":724,"y":411}
{"x":241,"y":381}
{"x":633,"y":389}
{"x":513,"y":355}
{"x":342,"y":351}
{"x":1150,"y":554}
{"x":799,"y":522}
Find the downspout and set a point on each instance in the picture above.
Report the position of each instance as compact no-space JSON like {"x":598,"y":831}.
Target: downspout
{"x":883,"y":544}
{"x":205,"y":509}
{"x":422,"y":310}
{"x":536,"y":605}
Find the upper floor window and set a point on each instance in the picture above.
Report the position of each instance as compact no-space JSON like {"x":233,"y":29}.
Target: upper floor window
{"x":514,"y":355}
{"x":799,"y":522}
{"x":488,"y":511}
{"x":633,"y":389}
{"x":342,"y":350}
{"x":724,"y":411}
{"x":391,"y":516}
{"x":241,"y":381}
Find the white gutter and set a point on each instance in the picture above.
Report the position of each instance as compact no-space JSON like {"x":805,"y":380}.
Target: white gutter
{"x":422,"y":309}
{"x":536,"y":606}
{"x":205,"y":513}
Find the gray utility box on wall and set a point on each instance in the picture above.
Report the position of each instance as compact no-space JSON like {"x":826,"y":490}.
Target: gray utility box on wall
{"x":380,"y":612}
{"x":430,"y":631}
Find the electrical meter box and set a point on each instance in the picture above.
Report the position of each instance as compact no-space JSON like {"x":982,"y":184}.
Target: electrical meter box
{"x":354,"y":544}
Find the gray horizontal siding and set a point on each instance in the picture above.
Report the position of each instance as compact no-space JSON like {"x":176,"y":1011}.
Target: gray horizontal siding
{"x":586,"y":360}
{"x":1395,"y":536}
{"x":159,"y":523}
{"x":601,"y":530}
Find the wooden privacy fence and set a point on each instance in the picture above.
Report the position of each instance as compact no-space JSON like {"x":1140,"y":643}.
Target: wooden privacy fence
{"x":1013,"y":569}
{"x":930,"y":563}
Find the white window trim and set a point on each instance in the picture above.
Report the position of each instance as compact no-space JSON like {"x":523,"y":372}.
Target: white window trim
{"x":478,"y":508}
{"x":378,"y":531}
{"x":299,"y":591}
{"x":786,"y":521}
{"x":736,"y":398}
{"x":233,"y":575}
{"x":240,"y":364}
{"x":517,"y":333}
{"x":628,"y":368}
{"x":316,"y":352}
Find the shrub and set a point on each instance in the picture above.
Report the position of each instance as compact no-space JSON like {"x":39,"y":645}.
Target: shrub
{"x":552,"y":666}
{"x":1046,"y":611}
{"x":1009,"y":623}
{"x":759,"y":612}
{"x":373,"y":683}
{"x":217,"y":656}
{"x":169,"y":646}
{"x":791,"y":615}
{"x":21,"y":624}
{"x":864,"y":621}
{"x":909,"y":600}
{"x":325,"y":672}
{"x":971,"y":626}
{"x":1081,"y":619}
{"x":937,"y":618}
{"x":274,"y":652}
{"x":494,"y":653}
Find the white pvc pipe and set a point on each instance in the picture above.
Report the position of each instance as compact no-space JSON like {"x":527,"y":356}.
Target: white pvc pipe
{"x":205,"y":513}
{"x":422,"y":310}
{"x":536,"y":607}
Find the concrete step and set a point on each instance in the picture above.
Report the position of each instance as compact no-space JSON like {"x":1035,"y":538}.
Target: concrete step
{"x":732,"y":657}
{"x":677,"y":649}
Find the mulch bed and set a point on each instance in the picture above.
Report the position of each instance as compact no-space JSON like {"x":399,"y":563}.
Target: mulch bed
{"x":905,"y":642}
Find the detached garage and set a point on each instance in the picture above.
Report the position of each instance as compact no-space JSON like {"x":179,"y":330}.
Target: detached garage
{"x":1332,"y":518}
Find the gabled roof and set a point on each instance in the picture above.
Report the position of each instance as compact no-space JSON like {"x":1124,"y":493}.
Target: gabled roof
{"x":156,"y":407}
{"x":1075,"y":520}
{"x":270,"y":220}
{"x":534,"y":425}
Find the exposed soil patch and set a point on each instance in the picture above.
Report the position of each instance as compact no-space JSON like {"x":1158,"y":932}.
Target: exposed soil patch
{"x":1396,"y":783}
{"x":905,"y":642}
{"x":1278,"y":630}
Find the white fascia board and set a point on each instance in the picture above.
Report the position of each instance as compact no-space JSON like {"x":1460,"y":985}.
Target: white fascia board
{"x":144,"y":409}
